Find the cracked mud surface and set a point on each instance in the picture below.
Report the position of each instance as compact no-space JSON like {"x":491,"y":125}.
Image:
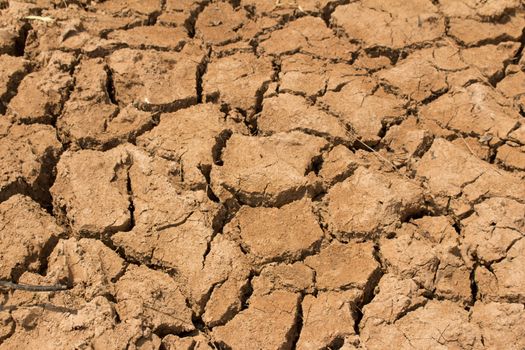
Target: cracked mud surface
{"x":260,"y":174}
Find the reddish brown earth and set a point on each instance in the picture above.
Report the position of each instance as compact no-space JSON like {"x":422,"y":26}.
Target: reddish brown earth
{"x":262,"y":174}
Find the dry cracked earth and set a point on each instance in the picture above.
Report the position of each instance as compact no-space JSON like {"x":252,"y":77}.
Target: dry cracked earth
{"x":261,"y":174}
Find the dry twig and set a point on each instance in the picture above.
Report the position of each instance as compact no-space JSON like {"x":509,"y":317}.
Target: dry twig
{"x":33,"y":288}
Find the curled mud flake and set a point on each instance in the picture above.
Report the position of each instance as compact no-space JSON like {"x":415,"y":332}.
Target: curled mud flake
{"x":28,"y":155}
{"x":172,"y":226}
{"x":296,"y":277}
{"x":495,"y":225}
{"x":286,"y":112}
{"x":277,"y":234}
{"x":87,"y":266}
{"x":365,"y":107}
{"x":91,"y":119}
{"x":90,"y":191}
{"x":416,"y":77}
{"x":302,"y":74}
{"x":60,"y":326}
{"x":474,"y":110}
{"x":399,"y":24}
{"x":328,"y":318}
{"x":197,"y":342}
{"x":129,"y":8}
{"x":154,"y":298}
{"x":408,"y":141}
{"x":189,"y":137}
{"x":156,"y":81}
{"x":181,"y":13}
{"x":504,"y":281}
{"x":511,"y":157}
{"x":255,"y":173}
{"x":456,"y":178}
{"x":428,"y":252}
{"x":308,"y":35}
{"x":28,"y":234}
{"x":226,"y":300}
{"x":491,"y":60}
{"x":338,"y":164}
{"x":268,"y":322}
{"x":238,"y":80}
{"x":151,"y":37}
{"x":369,"y":203}
{"x":437,"y":325}
{"x":345,"y":266}
{"x":42,"y":94}
{"x":289,"y":8}
{"x":472,"y":32}
{"x":500,"y":323}
{"x":394,"y":298}
{"x":218,"y":24}
{"x":12,"y":71}
{"x":513,"y":86}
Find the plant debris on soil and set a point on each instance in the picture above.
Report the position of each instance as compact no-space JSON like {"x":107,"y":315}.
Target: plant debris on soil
{"x":261,"y":174}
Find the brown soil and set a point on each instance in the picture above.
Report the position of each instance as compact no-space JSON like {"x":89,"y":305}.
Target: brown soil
{"x":261,"y":174}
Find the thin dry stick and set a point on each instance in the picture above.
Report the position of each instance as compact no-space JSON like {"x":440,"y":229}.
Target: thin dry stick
{"x":378,"y":155}
{"x":33,"y":288}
